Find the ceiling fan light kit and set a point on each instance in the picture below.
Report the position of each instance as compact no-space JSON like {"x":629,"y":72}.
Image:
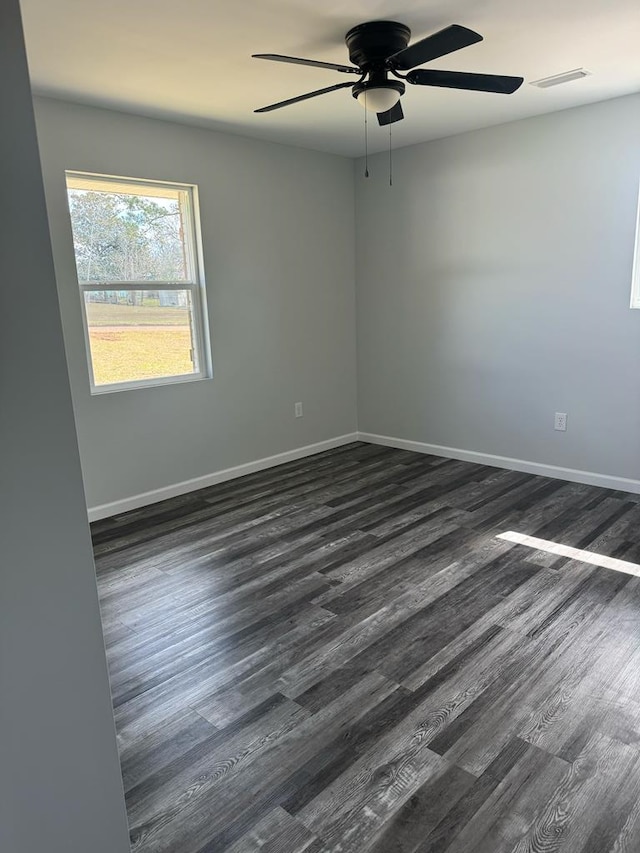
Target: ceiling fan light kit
{"x":378,"y":49}
{"x":378,"y":97}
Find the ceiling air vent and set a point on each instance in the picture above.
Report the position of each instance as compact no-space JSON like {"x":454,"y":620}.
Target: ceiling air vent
{"x":557,"y":79}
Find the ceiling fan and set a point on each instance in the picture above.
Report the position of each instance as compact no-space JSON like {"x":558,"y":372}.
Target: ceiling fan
{"x":380,"y":48}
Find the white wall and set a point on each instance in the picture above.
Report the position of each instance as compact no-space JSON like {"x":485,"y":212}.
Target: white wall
{"x":493,"y":285}
{"x":278,"y":234}
{"x":60,"y":785}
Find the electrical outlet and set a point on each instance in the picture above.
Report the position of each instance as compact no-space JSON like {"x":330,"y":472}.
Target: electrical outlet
{"x":560,"y":422}
{"x":297,"y":410}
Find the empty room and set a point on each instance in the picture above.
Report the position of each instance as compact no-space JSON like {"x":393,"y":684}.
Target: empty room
{"x":320,"y":428}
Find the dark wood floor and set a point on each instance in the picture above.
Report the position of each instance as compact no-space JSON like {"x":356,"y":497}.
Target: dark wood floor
{"x":340,"y":655}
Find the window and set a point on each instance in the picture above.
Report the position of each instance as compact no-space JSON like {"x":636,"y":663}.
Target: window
{"x":140,"y":276}
{"x":635,"y":276}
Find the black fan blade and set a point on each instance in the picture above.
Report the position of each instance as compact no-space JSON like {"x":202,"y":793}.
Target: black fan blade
{"x":463,"y":80}
{"x":391,"y":116}
{"x":445,"y":41}
{"x":302,"y":97}
{"x":314,"y":63}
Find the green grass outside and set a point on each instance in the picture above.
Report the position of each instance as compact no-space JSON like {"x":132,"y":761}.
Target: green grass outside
{"x":108,"y":314}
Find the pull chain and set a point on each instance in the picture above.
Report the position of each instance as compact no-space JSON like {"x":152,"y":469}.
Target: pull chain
{"x":366,"y":138}
{"x":390,"y":161}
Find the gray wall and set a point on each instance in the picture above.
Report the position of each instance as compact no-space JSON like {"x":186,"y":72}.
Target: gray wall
{"x":493,"y":285}
{"x":278,"y":235}
{"x":492,"y":288}
{"x":60,"y":785}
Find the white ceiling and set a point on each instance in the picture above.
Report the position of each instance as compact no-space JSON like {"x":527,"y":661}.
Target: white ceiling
{"x":191,"y":61}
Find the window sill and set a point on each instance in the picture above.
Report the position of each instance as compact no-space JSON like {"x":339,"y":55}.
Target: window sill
{"x":97,"y":390}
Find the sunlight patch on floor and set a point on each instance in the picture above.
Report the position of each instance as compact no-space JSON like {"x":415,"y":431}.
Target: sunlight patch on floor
{"x":573,"y":553}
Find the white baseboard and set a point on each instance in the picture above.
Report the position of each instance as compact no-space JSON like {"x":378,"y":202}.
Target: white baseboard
{"x":572,"y":474}
{"x":172,"y":491}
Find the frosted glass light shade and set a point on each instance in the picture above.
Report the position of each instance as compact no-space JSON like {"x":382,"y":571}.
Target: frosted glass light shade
{"x":379,"y":100}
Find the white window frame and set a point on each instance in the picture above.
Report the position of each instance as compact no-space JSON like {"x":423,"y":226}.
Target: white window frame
{"x":195,"y":285}
{"x":635,"y":275}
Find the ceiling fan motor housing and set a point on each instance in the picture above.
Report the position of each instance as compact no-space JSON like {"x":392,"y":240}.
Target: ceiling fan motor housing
{"x":371,"y":44}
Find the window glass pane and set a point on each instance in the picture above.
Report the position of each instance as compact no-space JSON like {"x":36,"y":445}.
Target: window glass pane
{"x":128,"y":236}
{"x":139,"y":334}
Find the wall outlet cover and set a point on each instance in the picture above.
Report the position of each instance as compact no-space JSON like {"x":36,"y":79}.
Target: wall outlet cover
{"x":560,"y":421}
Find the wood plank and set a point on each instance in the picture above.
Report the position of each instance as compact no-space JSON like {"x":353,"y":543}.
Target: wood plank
{"x":339,"y":655}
